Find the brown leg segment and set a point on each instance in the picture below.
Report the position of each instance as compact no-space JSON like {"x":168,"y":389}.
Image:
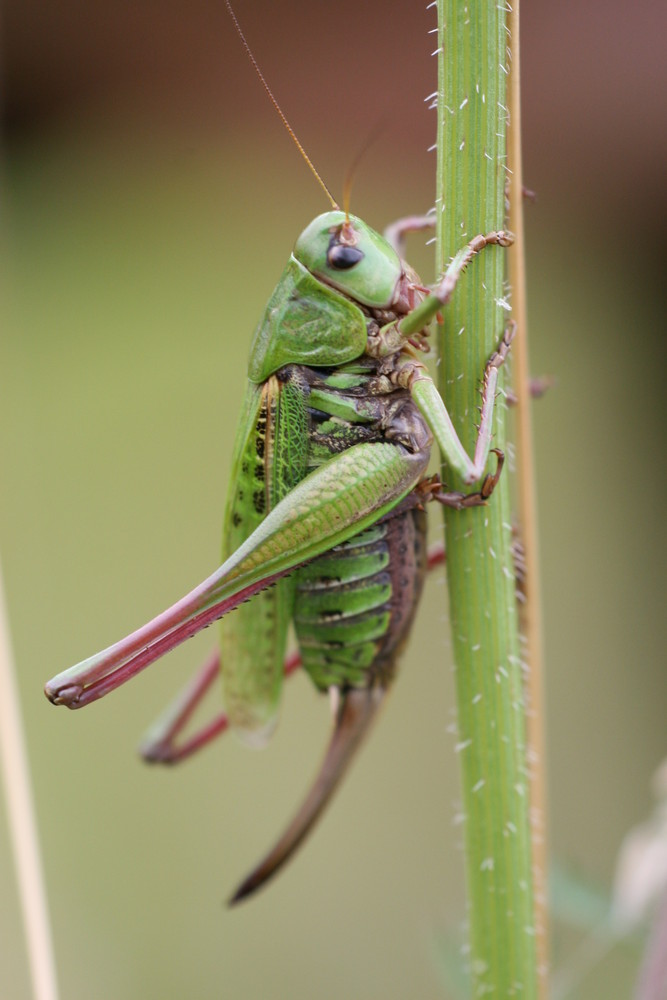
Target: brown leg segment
{"x":161,"y":746}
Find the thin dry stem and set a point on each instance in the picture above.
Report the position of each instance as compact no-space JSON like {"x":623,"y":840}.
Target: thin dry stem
{"x":531,"y":611}
{"x":22,"y":824}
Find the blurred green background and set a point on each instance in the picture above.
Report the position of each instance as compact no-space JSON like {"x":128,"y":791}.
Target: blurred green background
{"x":151,"y":199}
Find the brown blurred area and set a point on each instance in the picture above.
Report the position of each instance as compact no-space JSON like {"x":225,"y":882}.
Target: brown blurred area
{"x":594,"y":95}
{"x":179,"y":62}
{"x":152,"y":198}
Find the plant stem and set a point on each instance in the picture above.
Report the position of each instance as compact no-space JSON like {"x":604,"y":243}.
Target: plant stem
{"x":470,"y":199}
{"x":23,"y":825}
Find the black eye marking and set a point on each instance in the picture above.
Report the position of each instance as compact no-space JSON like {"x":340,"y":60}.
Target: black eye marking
{"x":342,"y":257}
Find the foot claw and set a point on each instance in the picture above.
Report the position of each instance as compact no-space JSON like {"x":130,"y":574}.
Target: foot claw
{"x":68,"y":695}
{"x":432,"y":488}
{"x":491,"y":481}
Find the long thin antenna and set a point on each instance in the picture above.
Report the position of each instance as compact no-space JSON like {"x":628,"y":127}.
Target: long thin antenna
{"x":278,"y":108}
{"x":352,"y":169}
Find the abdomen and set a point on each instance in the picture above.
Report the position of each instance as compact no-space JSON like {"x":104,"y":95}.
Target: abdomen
{"x":355,"y":604}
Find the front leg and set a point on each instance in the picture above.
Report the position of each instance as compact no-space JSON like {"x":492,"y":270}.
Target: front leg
{"x":422,"y":315}
{"x":412,"y":375}
{"x":403,"y":370}
{"x":432,"y":406}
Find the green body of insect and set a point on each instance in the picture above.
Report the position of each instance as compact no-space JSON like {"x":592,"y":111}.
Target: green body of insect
{"x":314,"y":394}
{"x":326,"y":499}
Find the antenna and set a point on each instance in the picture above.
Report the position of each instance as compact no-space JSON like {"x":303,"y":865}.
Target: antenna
{"x":278,"y":108}
{"x":352,"y":169}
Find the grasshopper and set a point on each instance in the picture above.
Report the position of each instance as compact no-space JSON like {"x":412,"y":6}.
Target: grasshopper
{"x":325,"y":524}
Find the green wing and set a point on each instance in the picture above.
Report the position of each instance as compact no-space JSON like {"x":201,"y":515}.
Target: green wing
{"x":270,"y":458}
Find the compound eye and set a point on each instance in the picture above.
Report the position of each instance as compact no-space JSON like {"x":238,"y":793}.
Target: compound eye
{"x":342,"y":257}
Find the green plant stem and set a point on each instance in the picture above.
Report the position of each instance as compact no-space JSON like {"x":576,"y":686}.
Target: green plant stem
{"x":472,"y":111}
